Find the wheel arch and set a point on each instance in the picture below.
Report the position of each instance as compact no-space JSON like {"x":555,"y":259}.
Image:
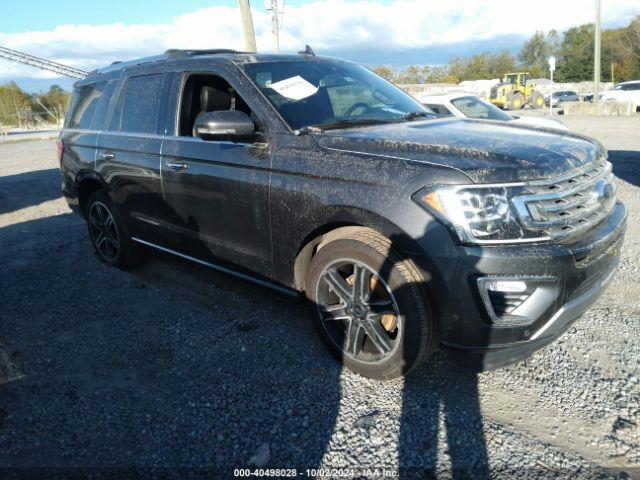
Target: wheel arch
{"x":88,"y":182}
{"x":336,"y":226}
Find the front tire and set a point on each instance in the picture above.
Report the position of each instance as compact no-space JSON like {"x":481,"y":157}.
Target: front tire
{"x":371,"y":306}
{"x":537,"y":100}
{"x":108,"y":233}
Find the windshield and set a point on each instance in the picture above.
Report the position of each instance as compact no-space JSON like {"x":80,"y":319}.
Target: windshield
{"x":332,"y":94}
{"x":473,"y":107}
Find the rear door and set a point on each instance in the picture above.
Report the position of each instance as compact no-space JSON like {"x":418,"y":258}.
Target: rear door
{"x":82,"y":126}
{"x":128,"y":154}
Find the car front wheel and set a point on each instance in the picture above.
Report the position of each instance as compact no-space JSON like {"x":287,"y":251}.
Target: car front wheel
{"x":372,"y":309}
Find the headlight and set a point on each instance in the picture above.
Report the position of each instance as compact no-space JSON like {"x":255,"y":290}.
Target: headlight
{"x":479,"y":214}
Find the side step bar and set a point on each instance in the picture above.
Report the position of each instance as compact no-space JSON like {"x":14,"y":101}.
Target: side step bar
{"x":244,"y":276}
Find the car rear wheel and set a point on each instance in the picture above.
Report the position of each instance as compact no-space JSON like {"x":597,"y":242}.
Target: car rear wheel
{"x":108,"y":233}
{"x":371,"y":306}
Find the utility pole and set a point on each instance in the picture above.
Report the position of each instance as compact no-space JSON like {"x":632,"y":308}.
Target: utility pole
{"x":552,"y":68}
{"x":596,"y":66}
{"x":276,"y":7}
{"x":247,"y":26}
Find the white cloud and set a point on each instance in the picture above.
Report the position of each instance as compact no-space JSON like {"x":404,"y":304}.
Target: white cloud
{"x":336,"y":25}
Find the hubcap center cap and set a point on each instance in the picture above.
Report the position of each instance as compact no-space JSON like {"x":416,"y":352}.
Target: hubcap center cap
{"x":359,"y":310}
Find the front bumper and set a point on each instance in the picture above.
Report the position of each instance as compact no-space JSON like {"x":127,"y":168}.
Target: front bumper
{"x":580,"y":271}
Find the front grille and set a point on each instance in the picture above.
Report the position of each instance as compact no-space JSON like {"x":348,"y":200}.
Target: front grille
{"x":494,"y":92}
{"x":571,"y":204}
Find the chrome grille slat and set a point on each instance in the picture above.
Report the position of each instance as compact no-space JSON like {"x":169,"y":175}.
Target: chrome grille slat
{"x":569,"y":204}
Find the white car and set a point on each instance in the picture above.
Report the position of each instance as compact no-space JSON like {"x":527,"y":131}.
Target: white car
{"x":464,"y":105}
{"x":624,"y":92}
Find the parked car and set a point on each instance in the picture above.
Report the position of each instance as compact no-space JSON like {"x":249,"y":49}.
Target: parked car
{"x":623,"y":92}
{"x":463,"y":105}
{"x":314,"y":175}
{"x":560,"y":97}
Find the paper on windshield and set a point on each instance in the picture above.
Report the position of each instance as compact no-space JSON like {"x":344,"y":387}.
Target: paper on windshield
{"x":295,"y":88}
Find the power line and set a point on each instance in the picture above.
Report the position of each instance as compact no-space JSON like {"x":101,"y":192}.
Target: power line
{"x":41,"y":63}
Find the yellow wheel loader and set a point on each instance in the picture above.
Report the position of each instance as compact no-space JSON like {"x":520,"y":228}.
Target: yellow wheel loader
{"x":513,"y":93}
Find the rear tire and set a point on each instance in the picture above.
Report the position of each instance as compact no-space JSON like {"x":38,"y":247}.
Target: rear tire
{"x":108,"y":232}
{"x":371,"y":306}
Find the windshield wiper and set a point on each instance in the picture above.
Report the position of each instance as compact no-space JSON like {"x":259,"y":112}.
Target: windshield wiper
{"x":350,"y":122}
{"x":413,"y":115}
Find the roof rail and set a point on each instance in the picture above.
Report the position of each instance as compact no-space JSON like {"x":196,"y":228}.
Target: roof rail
{"x":191,"y":53}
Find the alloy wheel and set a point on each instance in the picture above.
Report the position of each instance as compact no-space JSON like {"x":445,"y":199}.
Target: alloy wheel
{"x":358,"y":311}
{"x":104,"y":232}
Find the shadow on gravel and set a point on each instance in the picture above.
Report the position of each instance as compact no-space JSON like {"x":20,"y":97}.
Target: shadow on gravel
{"x":182,"y":372}
{"x":28,"y":189}
{"x":626,"y":165}
{"x":432,"y":392}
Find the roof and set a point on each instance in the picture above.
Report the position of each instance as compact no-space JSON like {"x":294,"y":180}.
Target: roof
{"x":207,"y":55}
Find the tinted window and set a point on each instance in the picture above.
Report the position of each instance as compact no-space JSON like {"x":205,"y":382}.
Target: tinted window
{"x":138,"y":106}
{"x":87,"y":98}
{"x":440,"y":110}
{"x":97,"y":122}
{"x":473,"y":107}
{"x":631,"y":86}
{"x":326,"y":92}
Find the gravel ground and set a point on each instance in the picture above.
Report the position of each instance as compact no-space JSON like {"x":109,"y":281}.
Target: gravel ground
{"x":172,"y":366}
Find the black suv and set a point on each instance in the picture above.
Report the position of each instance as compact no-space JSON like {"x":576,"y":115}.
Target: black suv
{"x":315,"y":175}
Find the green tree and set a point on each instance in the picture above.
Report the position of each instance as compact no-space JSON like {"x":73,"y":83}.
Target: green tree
{"x":384,"y":71}
{"x":53,"y":102}
{"x":576,"y":54}
{"x":534,"y":55}
{"x":501,"y":63}
{"x":15,"y":105}
{"x":410,"y":74}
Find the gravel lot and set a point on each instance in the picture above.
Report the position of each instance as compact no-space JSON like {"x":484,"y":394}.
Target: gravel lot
{"x":172,"y":366}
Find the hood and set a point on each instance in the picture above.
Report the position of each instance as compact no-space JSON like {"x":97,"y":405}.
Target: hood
{"x":485,"y":151}
{"x":540,"y":122}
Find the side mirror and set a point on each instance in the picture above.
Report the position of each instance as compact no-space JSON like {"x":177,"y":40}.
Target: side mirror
{"x":224,"y":125}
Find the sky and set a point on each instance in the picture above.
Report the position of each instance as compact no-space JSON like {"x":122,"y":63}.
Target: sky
{"x":89,"y":34}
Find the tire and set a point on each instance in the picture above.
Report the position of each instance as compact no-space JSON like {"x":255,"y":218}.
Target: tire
{"x":108,"y":233}
{"x":508,"y":105}
{"x":393,"y":298}
{"x":517,"y":102}
{"x":536,"y":100}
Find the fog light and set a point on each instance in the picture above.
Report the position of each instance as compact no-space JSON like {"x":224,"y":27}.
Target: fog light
{"x":511,"y":301}
{"x":508,"y":286}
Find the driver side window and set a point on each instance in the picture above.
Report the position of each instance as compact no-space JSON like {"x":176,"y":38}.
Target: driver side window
{"x":207,"y":93}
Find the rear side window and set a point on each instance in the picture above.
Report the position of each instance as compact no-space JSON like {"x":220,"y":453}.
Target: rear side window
{"x":138,"y":107}
{"x":97,"y":122}
{"x":87,"y":98}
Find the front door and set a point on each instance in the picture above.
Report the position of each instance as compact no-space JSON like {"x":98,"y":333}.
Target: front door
{"x":216,"y":192}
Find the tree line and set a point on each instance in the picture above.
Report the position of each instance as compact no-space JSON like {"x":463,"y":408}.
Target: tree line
{"x":19,"y":108}
{"x":573,"y":49}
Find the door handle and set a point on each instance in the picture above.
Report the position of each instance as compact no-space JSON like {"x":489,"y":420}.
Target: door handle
{"x":177,"y":166}
{"x":107,"y":156}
